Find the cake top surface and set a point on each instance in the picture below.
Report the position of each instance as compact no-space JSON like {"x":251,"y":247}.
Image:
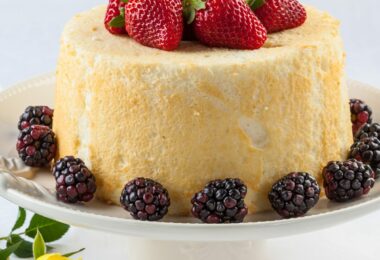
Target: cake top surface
{"x":86,"y":33}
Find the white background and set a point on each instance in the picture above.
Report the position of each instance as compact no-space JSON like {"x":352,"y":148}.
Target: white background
{"x":29,"y":41}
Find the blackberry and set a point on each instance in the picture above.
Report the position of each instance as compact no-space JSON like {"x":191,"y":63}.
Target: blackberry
{"x":346,"y":180}
{"x":221,"y":201}
{"x":294,"y":195}
{"x":367,"y":151}
{"x":37,"y":115}
{"x":145,"y":199}
{"x":361,"y":114}
{"x":368,"y":130}
{"x":74,"y":181}
{"x":36,"y":145}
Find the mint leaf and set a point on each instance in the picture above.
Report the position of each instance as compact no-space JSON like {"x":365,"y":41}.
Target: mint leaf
{"x":73,"y":253}
{"x":20,"y":219}
{"x":5,"y":253}
{"x":39,"y":247}
{"x":25,"y":249}
{"x":50,"y":229}
{"x":117,"y":22}
{"x":190,"y":7}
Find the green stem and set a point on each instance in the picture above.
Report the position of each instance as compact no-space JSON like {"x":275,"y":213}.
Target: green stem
{"x":6,"y":238}
{"x":73,"y":253}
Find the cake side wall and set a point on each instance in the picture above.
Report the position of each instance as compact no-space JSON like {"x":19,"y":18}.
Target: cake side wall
{"x":184,"y":125}
{"x":69,"y":101}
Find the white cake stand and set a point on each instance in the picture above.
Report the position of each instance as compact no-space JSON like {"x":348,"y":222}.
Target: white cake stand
{"x":174,"y":238}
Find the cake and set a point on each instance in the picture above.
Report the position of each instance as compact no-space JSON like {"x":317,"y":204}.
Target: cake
{"x":196,"y":114}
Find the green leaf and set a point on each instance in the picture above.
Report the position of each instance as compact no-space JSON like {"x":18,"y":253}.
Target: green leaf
{"x":254,"y":4}
{"x":117,"y":22}
{"x":73,"y":253}
{"x":25,"y":250}
{"x":39,"y":247}
{"x":125,"y":1}
{"x":50,"y":229}
{"x":20,"y":219}
{"x":250,"y":2}
{"x":5,"y":253}
{"x":190,"y":7}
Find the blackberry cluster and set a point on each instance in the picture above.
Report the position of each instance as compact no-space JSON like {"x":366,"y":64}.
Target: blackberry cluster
{"x":145,"y":199}
{"x":294,"y":195}
{"x":367,"y":151}
{"x":37,"y":115}
{"x":74,"y":181}
{"x":368,"y":130}
{"x":344,"y":181}
{"x":36,"y":145}
{"x":361,"y":114}
{"x":221,"y":201}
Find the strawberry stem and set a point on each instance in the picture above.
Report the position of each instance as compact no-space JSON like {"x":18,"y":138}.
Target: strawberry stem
{"x":254,"y":4}
{"x":190,"y":7}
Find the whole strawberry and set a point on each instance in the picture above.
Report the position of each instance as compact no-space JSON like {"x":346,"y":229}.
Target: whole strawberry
{"x":228,"y":23}
{"x":278,"y":15}
{"x":115,"y":19}
{"x":155,"y":23}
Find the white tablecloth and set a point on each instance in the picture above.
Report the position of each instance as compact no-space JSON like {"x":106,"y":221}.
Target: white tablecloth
{"x":29,"y":41}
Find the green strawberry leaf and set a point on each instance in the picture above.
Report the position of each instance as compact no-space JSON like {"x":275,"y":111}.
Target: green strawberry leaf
{"x":254,"y":4}
{"x":125,"y":1}
{"x":73,"y":253}
{"x":20,"y":219}
{"x":250,"y":2}
{"x":117,"y":22}
{"x":190,"y":7}
{"x":39,"y":247}
{"x":25,"y":249}
{"x":51,"y":230}
{"x":5,"y":253}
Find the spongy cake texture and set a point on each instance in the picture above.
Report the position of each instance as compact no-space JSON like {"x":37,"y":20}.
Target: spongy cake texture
{"x":195,"y":114}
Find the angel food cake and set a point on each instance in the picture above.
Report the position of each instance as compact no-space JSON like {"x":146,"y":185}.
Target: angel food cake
{"x":198,"y":113}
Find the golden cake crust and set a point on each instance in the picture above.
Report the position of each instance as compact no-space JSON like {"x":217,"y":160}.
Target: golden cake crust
{"x":195,"y":114}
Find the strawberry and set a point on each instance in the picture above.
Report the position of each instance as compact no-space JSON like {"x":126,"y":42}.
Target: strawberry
{"x":225,"y":23}
{"x":278,"y":15}
{"x":114,"y":20}
{"x":155,"y":23}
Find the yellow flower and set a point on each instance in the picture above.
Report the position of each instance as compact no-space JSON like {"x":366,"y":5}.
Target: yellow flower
{"x":55,"y":257}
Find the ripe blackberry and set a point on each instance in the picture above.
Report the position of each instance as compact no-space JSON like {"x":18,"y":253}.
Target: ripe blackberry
{"x":346,"y":180}
{"x":368,"y":130}
{"x":294,"y":195}
{"x":221,"y":201}
{"x":74,"y":181}
{"x":145,"y":199}
{"x":37,"y":115}
{"x":361,"y":114}
{"x":36,"y":145}
{"x":367,"y":151}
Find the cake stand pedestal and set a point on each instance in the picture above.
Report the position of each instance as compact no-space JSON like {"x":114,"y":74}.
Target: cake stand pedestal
{"x":143,"y":249}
